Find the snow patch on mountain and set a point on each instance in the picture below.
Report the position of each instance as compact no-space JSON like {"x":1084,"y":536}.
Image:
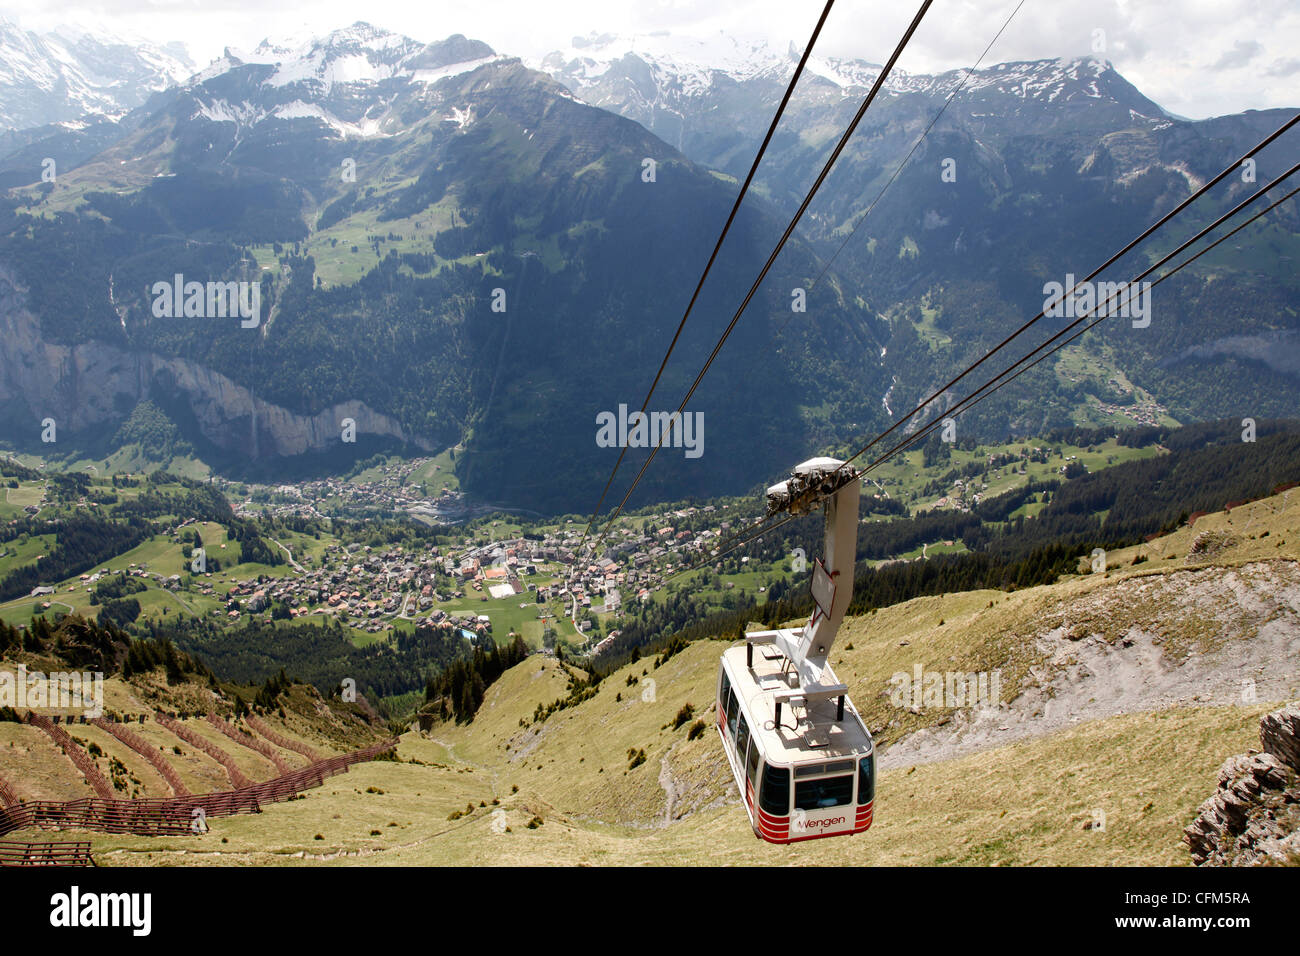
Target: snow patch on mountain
{"x":350,"y":68}
{"x":461,"y":118}
{"x":220,"y":111}
{"x":244,"y":114}
{"x":675,"y":66}
{"x":848,"y":75}
{"x":364,"y":129}
{"x":456,"y":69}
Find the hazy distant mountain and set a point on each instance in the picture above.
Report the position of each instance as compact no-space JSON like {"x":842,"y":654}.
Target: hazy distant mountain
{"x":709,"y":96}
{"x":63,"y":76}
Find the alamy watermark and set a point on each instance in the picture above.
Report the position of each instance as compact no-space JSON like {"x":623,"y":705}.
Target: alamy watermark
{"x":74,"y":908}
{"x":1101,"y":299}
{"x":176,"y":298}
{"x":62,"y":690}
{"x":641,"y":430}
{"x":949,"y":689}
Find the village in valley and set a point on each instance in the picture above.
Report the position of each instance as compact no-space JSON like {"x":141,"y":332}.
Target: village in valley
{"x":475,"y":569}
{"x":504,"y":577}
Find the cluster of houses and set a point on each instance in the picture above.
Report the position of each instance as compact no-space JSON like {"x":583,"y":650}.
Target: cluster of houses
{"x":361,"y":586}
{"x":369,"y":588}
{"x":390,"y":492}
{"x":962,"y":497}
{"x":1140,"y":413}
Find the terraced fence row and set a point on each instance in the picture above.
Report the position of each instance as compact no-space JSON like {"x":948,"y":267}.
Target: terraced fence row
{"x":245,"y":740}
{"x":149,"y":753}
{"x":178,"y":815}
{"x":280,"y":740}
{"x":237,"y":778}
{"x":80,"y":759}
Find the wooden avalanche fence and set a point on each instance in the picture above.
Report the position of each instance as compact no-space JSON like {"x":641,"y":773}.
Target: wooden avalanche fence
{"x":151,"y":754}
{"x":141,"y":817}
{"x":279,"y":739}
{"x":46,"y":854}
{"x":178,"y":815}
{"x":237,"y":778}
{"x":8,"y":796}
{"x":245,"y":740}
{"x":80,"y":759}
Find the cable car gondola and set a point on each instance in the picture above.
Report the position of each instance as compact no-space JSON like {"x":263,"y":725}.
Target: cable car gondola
{"x":801,"y":755}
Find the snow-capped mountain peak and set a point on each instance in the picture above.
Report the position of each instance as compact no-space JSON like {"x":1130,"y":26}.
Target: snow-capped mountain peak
{"x":345,"y":80}
{"x":65,"y":74}
{"x":694,"y":61}
{"x":660,"y":79}
{"x":691,"y":65}
{"x":360,"y":53}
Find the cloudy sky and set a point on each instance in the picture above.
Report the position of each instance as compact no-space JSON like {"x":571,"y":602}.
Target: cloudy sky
{"x":1196,"y":58}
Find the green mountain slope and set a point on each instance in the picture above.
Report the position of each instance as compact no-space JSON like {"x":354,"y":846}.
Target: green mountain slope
{"x":1075,"y":766}
{"x":499,"y":269}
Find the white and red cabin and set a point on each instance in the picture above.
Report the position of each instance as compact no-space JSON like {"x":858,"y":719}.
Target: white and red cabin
{"x":801,"y":755}
{"x":814,"y":774}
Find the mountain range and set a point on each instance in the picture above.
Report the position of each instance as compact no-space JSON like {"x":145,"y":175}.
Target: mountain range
{"x":64,"y":75}
{"x":452,"y":245}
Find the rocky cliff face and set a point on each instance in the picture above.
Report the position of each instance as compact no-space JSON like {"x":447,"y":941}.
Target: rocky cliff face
{"x":96,"y":385}
{"x":1254,"y":816}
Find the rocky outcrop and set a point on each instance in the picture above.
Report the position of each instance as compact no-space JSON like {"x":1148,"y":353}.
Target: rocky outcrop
{"x":1279,"y":734}
{"x":1254,"y":816}
{"x":96,"y":384}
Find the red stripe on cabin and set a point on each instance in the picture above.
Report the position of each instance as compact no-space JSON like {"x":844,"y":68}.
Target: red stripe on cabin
{"x":775,"y":834}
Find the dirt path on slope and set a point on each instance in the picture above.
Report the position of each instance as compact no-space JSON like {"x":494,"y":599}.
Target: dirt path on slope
{"x":1206,"y":636}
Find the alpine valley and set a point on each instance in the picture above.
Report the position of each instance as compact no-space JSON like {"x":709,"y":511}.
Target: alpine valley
{"x":313,"y":362}
{"x":454,"y":247}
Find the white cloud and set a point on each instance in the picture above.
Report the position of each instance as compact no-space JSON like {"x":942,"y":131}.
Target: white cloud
{"x":1194,"y":57}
